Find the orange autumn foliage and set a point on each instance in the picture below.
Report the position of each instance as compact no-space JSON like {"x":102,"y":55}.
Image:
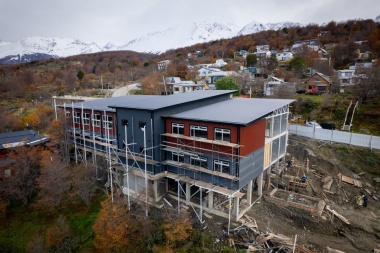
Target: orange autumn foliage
{"x":114,"y":227}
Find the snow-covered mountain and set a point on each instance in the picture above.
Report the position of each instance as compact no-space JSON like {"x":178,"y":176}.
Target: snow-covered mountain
{"x":377,"y":19}
{"x":255,"y":27}
{"x":181,"y":36}
{"x":34,"y":48}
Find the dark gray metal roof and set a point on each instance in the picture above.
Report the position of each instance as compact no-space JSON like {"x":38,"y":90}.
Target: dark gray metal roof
{"x":19,"y":138}
{"x":238,"y":111}
{"x":158,"y":102}
{"x":103,"y":104}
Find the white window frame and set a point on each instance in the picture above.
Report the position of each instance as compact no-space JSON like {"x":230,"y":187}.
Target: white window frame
{"x":107,"y":121}
{"x":76,"y":117}
{"x":67,"y":114}
{"x":220,"y":165}
{"x":86,"y":118}
{"x":194,"y":128}
{"x":178,"y":157}
{"x":199,"y":159}
{"x":178,"y":126}
{"x":224,"y":133}
{"x":96,"y":119}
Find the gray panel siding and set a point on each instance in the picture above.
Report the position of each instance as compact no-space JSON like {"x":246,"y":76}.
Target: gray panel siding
{"x":154,"y":130}
{"x":250,"y":167}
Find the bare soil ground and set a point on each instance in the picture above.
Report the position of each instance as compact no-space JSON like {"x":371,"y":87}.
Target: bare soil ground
{"x":319,"y":232}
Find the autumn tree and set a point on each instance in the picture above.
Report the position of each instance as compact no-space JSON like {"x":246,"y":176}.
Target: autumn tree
{"x":367,"y":84}
{"x":177,"y":231}
{"x":152,"y":85}
{"x":114,"y":228}
{"x":84,"y":182}
{"x":24,"y":170}
{"x":53,"y":181}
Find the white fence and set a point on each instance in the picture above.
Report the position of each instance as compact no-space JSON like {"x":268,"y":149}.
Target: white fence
{"x":362,"y":140}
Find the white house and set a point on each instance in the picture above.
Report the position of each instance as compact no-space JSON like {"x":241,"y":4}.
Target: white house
{"x":179,"y":86}
{"x":273,"y":82}
{"x":162,"y":65}
{"x":284,"y":56}
{"x":204,"y":72}
{"x":219,"y":63}
{"x":262,"y":51}
{"x":345,"y":77}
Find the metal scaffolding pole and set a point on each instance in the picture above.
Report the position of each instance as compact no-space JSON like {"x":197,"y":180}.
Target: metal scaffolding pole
{"x":108,"y":150}
{"x":84,"y":138}
{"x":229,"y":215}
{"x":93,"y":139}
{"x":75,"y":141}
{"x":126,"y":163}
{"x":145,"y":174}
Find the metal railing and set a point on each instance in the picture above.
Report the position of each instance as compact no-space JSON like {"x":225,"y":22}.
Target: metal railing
{"x":362,"y":140}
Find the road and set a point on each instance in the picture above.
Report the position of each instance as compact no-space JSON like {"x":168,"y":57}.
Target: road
{"x":123,"y":91}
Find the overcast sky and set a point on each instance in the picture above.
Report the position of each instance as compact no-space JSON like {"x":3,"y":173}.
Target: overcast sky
{"x":118,"y":21}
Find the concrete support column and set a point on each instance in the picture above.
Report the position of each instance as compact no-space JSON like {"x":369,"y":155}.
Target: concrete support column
{"x":249,"y":193}
{"x":260,"y":184}
{"x":188,"y":194}
{"x":236,"y":207}
{"x":155,"y":190}
{"x":278,"y":166}
{"x":210,"y":199}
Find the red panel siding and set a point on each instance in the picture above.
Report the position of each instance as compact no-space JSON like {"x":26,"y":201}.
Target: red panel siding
{"x":210,"y":132}
{"x":252,"y":137}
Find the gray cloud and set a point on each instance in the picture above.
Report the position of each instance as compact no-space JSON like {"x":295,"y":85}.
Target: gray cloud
{"x":118,"y":21}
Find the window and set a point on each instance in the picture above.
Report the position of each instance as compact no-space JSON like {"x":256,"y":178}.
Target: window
{"x":96,"y":120}
{"x":178,"y":129}
{"x":107,"y":122}
{"x":86,"y":119}
{"x":77,"y":117}
{"x":178,"y":157}
{"x":222,"y":166}
{"x":198,"y":161}
{"x":316,"y":79}
{"x":198,"y":131}
{"x":222,"y":134}
{"x":68,"y":114}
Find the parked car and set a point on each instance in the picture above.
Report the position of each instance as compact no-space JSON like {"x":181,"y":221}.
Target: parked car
{"x":312,"y":124}
{"x":328,"y":125}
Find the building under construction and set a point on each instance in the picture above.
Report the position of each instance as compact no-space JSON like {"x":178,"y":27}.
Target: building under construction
{"x":201,"y":149}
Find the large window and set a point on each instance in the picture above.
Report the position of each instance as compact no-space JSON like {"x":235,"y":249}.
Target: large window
{"x":198,"y":131}
{"x":222,"y":134}
{"x":177,"y":128}
{"x":86,"y":119}
{"x":222,"y":166}
{"x":77,"y":117}
{"x":198,"y":161}
{"x":96,"y":120}
{"x":178,"y":157}
{"x":107,"y":122}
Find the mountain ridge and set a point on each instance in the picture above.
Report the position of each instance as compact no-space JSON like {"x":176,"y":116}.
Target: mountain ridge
{"x":156,"y":42}
{"x":191,"y":33}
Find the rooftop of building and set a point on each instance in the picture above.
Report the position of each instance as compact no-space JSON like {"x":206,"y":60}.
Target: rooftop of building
{"x":159,"y":102}
{"x":237,"y":111}
{"x":19,"y":138}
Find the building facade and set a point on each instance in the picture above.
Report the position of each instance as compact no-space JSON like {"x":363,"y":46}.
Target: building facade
{"x":203,"y":148}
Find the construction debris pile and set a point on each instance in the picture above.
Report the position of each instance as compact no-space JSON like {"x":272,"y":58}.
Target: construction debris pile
{"x":248,"y":234}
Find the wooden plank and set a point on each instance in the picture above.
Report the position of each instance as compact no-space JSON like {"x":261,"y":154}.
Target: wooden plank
{"x":340,"y":217}
{"x":298,"y":184}
{"x":370,"y":194}
{"x":374,"y":215}
{"x":196,"y":168}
